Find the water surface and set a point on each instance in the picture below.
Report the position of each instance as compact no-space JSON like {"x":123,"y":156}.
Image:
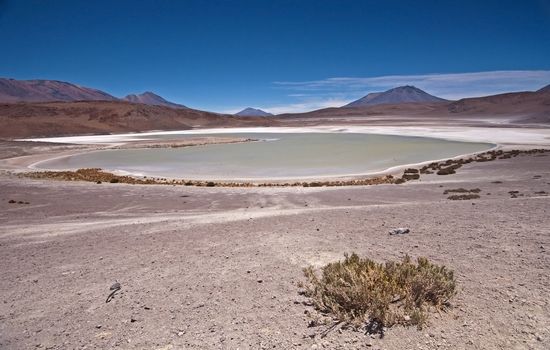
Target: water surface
{"x":279,"y":155}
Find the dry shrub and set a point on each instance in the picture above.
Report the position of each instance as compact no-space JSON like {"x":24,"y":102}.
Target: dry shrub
{"x":462,"y":197}
{"x":446,"y":171}
{"x":462,"y":190}
{"x":410,"y":176}
{"x":359,"y":291}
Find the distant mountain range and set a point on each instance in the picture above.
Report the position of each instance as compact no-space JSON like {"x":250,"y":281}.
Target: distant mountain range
{"x":152,"y":99}
{"x":521,"y":108}
{"x":398,"y":95}
{"x":81,"y":110}
{"x":12,"y":90}
{"x":253,"y":112}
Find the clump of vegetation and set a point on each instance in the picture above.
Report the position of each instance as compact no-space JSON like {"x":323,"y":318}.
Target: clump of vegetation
{"x":448,"y":170}
{"x":459,"y":197}
{"x":410,"y":176}
{"x":361,"y":292}
{"x":114,"y":180}
{"x":462,"y":190}
{"x":13,"y":201}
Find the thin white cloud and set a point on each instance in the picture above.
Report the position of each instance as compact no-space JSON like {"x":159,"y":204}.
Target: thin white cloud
{"x":306,"y":106}
{"x":451,"y":86}
{"x":305,"y":96}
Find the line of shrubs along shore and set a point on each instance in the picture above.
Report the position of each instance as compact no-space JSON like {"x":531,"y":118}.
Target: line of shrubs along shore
{"x":440,"y":168}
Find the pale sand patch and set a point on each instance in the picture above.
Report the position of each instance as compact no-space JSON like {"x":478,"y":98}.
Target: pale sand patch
{"x":60,"y":228}
{"x":497,"y":135}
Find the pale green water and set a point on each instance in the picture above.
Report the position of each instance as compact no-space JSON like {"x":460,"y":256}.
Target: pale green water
{"x":288,"y":155}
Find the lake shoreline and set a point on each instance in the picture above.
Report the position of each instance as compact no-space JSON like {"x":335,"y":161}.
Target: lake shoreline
{"x":516,"y":139}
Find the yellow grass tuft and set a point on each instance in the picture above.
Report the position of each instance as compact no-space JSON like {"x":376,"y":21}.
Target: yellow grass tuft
{"x":359,"y":291}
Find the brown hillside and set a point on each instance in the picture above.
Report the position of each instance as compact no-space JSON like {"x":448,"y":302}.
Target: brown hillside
{"x":21,"y":120}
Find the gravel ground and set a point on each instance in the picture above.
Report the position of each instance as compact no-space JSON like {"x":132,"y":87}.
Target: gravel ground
{"x":218,"y":268}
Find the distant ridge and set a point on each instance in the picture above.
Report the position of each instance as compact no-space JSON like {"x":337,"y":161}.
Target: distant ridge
{"x":544,"y":89}
{"x":152,"y":99}
{"x":398,"y":95}
{"x":253,"y":112}
{"x":12,"y":90}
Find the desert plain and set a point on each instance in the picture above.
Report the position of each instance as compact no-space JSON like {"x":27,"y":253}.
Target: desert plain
{"x":221,"y":267}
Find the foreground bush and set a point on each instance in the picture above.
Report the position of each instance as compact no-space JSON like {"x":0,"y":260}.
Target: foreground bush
{"x":362,"y":292}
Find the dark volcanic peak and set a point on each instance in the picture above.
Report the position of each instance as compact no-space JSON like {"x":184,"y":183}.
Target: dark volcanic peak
{"x":364,"y":101}
{"x":253,"y":112}
{"x":151,"y":99}
{"x":545,"y":89}
{"x":398,"y":95}
{"x":12,"y":90}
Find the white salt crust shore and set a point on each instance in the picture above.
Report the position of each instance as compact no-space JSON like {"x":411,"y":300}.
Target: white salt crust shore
{"x":501,"y":138}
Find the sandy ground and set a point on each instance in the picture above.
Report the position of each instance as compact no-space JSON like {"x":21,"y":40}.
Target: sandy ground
{"x":218,"y":268}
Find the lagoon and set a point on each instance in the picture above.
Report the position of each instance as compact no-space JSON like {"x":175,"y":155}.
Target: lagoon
{"x":274,"y":156}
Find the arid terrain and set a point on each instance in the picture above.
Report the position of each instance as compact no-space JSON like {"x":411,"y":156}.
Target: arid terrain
{"x":219,"y":268}
{"x":283,"y":175}
{"x":23,"y":120}
{"x":51,"y":108}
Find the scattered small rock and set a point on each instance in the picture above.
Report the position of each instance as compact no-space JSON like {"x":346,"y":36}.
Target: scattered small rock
{"x":399,"y":231}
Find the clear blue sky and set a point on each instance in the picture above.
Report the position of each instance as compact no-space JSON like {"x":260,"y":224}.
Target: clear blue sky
{"x":279,"y":54}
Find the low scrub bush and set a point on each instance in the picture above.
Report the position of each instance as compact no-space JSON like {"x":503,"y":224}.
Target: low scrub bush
{"x":462,"y":190}
{"x":458,"y":197}
{"x":410,"y":176}
{"x":361,"y":292}
{"x":446,"y":171}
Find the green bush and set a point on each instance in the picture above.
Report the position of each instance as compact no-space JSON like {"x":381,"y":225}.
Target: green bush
{"x":359,"y":291}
